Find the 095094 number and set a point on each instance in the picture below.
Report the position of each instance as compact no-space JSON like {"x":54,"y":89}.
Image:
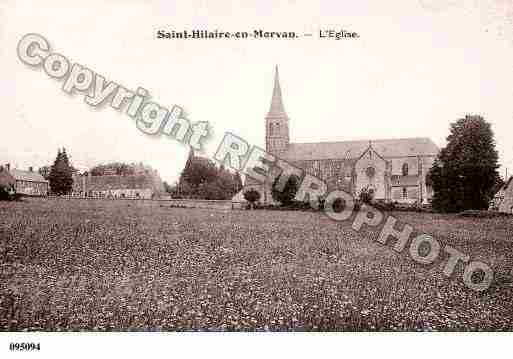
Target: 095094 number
{"x":24,"y":346}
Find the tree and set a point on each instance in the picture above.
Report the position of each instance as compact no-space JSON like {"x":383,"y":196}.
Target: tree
{"x":201,"y":178}
{"x":464,"y":175}
{"x":252,"y":196}
{"x":114,"y":168}
{"x":225,"y":183}
{"x":170,"y":189}
{"x":45,"y":171}
{"x":198,"y":172}
{"x":7,"y":185}
{"x":212,"y":191}
{"x":287,"y":195}
{"x":60,"y":177}
{"x":237,"y":182}
{"x":185,"y":190}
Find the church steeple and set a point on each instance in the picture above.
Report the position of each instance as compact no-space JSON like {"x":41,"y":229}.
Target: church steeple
{"x":190,"y":157}
{"x":276,"y":108}
{"x":277,"y":122}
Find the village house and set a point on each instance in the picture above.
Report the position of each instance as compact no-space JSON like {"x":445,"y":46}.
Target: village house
{"x":27,"y":183}
{"x":143,"y":184}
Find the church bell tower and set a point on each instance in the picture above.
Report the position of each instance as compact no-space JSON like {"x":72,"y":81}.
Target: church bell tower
{"x":276,"y":122}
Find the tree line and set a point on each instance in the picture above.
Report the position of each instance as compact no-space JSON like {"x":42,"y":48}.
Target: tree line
{"x":463,"y":176}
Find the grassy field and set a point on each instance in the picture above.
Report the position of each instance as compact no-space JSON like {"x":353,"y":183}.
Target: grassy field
{"x":120,"y":265}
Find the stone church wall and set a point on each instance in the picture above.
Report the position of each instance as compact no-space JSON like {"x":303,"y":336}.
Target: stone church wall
{"x":397,"y":165}
{"x":374,"y":178}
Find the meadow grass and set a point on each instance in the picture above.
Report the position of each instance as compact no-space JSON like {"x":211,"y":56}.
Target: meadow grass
{"x":125,"y":265}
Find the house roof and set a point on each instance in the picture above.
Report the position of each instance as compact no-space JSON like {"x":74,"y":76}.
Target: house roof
{"x":20,"y":175}
{"x":508,"y":183}
{"x":503,"y":189}
{"x":402,"y":147}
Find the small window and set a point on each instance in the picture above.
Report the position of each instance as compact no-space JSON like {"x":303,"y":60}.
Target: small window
{"x":405,"y":169}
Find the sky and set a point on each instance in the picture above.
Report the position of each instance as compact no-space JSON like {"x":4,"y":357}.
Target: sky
{"x":416,"y":67}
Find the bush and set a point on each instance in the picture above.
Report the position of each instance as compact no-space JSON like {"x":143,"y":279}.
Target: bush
{"x":252,"y":196}
{"x":483,"y":214}
{"x":7,"y":193}
{"x":4,"y":195}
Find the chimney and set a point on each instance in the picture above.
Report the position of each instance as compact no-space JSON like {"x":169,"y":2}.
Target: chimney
{"x":31,"y":169}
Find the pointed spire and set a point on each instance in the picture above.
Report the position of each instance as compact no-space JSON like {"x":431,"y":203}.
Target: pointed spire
{"x":277,"y":109}
{"x":190,"y":158}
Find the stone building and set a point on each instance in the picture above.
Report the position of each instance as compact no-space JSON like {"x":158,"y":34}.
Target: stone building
{"x":141,"y":185}
{"x":393,"y":169}
{"x":27,"y":183}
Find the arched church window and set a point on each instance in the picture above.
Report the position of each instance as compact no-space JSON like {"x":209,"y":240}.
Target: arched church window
{"x":405,"y":169}
{"x":370,"y":172}
{"x":405,"y":193}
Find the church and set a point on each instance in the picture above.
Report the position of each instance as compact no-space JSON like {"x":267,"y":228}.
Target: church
{"x":394,"y":170}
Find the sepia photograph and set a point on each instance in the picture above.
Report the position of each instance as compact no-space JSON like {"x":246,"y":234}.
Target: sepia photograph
{"x":274,"y":177}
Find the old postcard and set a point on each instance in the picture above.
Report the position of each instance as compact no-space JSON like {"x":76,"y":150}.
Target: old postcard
{"x":254,"y":167}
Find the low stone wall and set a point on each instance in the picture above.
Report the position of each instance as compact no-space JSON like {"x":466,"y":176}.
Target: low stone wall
{"x":199,"y":203}
{"x":184,"y":203}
